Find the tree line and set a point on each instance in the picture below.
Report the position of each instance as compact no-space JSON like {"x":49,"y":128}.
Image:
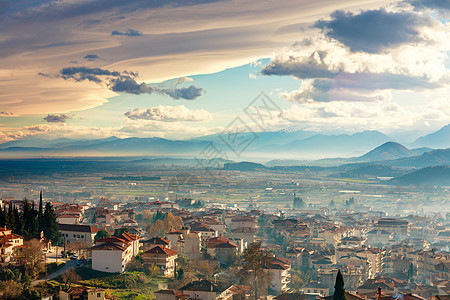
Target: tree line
{"x":29,"y":221}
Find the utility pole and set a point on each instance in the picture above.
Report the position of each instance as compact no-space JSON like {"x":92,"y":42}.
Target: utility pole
{"x":45,"y":263}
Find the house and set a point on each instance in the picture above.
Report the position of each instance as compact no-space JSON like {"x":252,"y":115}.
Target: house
{"x":68,"y":218}
{"x":226,"y":252}
{"x":243,"y":221}
{"x":155,"y":241}
{"x":162,"y":257}
{"x":245,"y":233}
{"x":378,"y":237}
{"x":114,"y":253}
{"x":207,"y":290}
{"x":398,"y":227}
{"x":78,"y":233}
{"x":170,"y":295}
{"x":82,"y":293}
{"x":278,"y":270}
{"x":8,"y":242}
{"x":317,"y":288}
{"x":185,"y":242}
{"x":206,"y":232}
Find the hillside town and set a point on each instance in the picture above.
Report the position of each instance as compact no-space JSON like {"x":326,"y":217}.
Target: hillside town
{"x":183,"y":249}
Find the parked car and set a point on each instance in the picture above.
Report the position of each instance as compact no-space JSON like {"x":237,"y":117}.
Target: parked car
{"x":74,"y":257}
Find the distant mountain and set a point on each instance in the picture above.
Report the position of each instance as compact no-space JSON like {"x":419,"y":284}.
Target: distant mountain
{"x":321,"y":145}
{"x":371,"y":171}
{"x":56,"y":143}
{"x":263,"y":139}
{"x":439,"y":175}
{"x":113,"y":146}
{"x":420,"y":151}
{"x":387,"y":151}
{"x":440,"y":157}
{"x":179,"y":162}
{"x":244,"y":166}
{"x":438,"y":139}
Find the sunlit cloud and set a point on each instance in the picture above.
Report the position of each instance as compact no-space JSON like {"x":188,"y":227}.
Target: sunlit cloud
{"x":169,"y":114}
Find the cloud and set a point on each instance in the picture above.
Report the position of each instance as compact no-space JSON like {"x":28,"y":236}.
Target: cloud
{"x":442,"y":6}
{"x":374,"y":31}
{"x":329,"y":69}
{"x":56,"y":118}
{"x":5,"y":114}
{"x":125,"y":82}
{"x":169,"y":114}
{"x":128,"y":32}
{"x":91,"y":57}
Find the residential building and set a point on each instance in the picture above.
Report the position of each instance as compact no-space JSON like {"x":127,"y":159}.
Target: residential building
{"x":82,"y":293}
{"x":113,"y":254}
{"x":207,"y":290}
{"x":8,"y":242}
{"x":278,"y":270}
{"x":78,"y":233}
{"x":162,"y":257}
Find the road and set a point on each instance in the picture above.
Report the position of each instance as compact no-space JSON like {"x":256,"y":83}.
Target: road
{"x":69,"y":265}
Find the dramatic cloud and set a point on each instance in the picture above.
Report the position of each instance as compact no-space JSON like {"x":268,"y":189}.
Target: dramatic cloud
{"x":125,"y":82}
{"x":91,"y":57}
{"x":169,"y":114}
{"x":53,"y":118}
{"x":128,"y":32}
{"x":440,"y":5}
{"x":373,"y":31}
{"x":350,"y":61}
{"x":6,"y":114}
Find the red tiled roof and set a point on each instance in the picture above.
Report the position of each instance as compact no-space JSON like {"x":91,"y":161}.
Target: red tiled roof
{"x":161,"y":250}
{"x":108,"y":246}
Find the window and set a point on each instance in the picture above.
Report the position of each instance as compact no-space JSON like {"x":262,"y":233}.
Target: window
{"x":82,"y":236}
{"x":74,"y":235}
{"x":99,"y":295}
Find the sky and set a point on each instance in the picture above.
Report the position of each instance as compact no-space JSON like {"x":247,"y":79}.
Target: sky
{"x":182,"y":69}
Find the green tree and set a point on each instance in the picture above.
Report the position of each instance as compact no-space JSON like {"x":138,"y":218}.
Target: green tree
{"x":339,"y":290}
{"x":101,"y":234}
{"x":119,"y":231}
{"x":2,"y":217}
{"x":253,"y":261}
{"x":17,"y":225}
{"x":51,"y":229}
{"x":41,"y":212}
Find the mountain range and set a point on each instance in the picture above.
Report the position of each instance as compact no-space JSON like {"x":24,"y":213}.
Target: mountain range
{"x":294,"y":145}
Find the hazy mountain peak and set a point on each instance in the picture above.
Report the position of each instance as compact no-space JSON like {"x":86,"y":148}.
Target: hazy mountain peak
{"x":387,"y":151}
{"x":437,"y":139}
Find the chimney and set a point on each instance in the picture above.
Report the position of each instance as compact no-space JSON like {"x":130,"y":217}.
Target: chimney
{"x":379,"y":293}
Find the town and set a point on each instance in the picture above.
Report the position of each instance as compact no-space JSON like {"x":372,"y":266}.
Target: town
{"x":184,"y":248}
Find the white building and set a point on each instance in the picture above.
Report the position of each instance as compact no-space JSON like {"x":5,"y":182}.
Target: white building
{"x":78,"y":233}
{"x":113,"y":254}
{"x":8,"y":241}
{"x":278,"y":270}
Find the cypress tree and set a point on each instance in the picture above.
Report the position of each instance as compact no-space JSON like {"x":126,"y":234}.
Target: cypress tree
{"x":18,"y":225}
{"x":33,"y":223}
{"x":26,"y":217}
{"x":339,"y":290}
{"x":40,"y":212}
{"x":51,"y":229}
{"x":2,"y":217}
{"x":9,"y":220}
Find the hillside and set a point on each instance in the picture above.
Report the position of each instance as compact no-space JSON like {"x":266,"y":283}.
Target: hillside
{"x":371,"y":171}
{"x":387,"y":151}
{"x":439,"y":175}
{"x":438,"y":139}
{"x":440,"y":157}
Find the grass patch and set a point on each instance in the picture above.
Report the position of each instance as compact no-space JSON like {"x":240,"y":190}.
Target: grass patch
{"x":54,"y":267}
